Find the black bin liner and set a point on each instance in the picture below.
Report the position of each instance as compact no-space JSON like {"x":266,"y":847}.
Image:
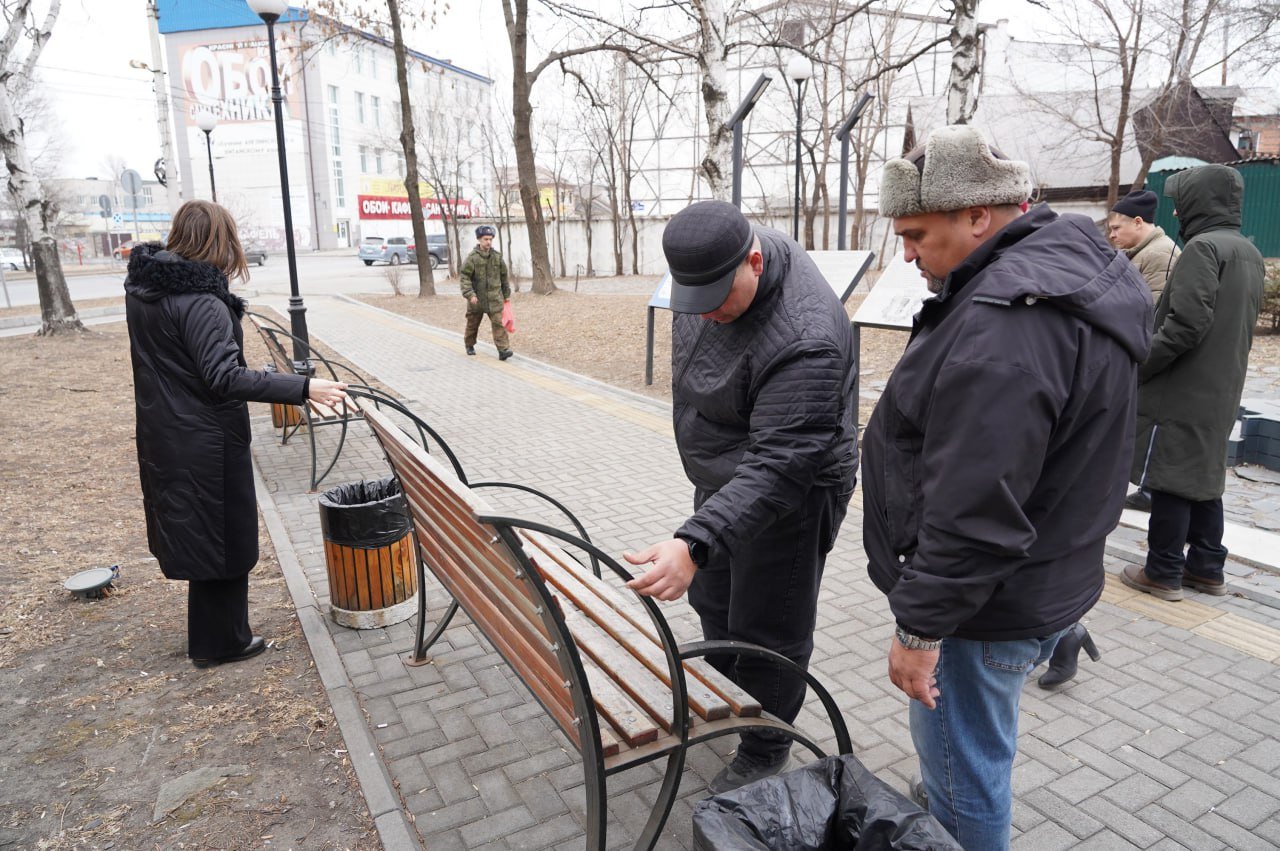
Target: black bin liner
{"x":832,"y":804}
{"x":364,"y":514}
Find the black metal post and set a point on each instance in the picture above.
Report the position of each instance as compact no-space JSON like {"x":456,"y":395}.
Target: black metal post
{"x":297,"y":311}
{"x":208,"y":147}
{"x":736,"y":121}
{"x":843,"y":135}
{"x":737,"y":165}
{"x":795,"y":213}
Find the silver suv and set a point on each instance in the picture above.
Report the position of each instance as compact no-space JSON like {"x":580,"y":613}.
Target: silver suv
{"x":375,"y":249}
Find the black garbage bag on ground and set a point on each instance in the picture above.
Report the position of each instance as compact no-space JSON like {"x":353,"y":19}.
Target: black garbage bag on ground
{"x":833,"y":804}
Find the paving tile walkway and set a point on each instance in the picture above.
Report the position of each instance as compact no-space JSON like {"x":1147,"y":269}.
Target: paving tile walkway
{"x":1169,"y":742}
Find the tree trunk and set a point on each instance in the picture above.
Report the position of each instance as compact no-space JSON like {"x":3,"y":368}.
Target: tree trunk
{"x":516,"y":13}
{"x":717,"y":164}
{"x":962,"y":87}
{"x":57,"y":313}
{"x":409,"y":144}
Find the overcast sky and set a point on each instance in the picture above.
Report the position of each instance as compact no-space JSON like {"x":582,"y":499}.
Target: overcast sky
{"x":103,"y":107}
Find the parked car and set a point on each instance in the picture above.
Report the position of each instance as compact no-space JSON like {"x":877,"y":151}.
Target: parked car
{"x":438,"y":247}
{"x":122,"y":250}
{"x":396,"y":250}
{"x":11,"y":259}
{"x":255,"y":253}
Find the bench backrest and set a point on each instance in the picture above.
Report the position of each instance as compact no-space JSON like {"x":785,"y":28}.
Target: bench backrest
{"x":279,"y":356}
{"x":476,"y":567}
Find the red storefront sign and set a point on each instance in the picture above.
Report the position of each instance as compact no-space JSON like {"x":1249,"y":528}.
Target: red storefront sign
{"x":382,"y":207}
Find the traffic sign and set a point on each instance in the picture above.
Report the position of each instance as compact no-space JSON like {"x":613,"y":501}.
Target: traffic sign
{"x":131,"y":181}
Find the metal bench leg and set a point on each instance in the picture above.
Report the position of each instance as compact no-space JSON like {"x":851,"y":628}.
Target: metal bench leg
{"x":342,"y":439}
{"x":666,"y":800}
{"x":311,"y":435}
{"x":420,"y":647}
{"x":597,"y":796}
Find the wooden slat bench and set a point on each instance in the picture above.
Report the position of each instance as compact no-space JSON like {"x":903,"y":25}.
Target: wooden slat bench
{"x":312,"y":415}
{"x":601,"y":660}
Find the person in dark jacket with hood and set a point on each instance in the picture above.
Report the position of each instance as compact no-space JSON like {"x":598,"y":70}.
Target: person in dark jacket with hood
{"x":762,"y":368}
{"x":190,"y":387}
{"x":1191,"y":384}
{"x":994,"y":465}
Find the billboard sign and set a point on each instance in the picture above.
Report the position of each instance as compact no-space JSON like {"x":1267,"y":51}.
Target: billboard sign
{"x":232,"y":79}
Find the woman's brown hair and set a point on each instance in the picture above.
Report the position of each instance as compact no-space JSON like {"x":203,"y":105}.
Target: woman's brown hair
{"x":206,"y":232}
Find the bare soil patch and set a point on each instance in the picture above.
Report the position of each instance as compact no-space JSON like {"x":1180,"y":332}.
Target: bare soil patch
{"x":101,"y":705}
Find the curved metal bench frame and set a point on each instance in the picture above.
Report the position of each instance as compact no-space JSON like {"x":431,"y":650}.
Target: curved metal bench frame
{"x":596,"y":766}
{"x":275,"y":332}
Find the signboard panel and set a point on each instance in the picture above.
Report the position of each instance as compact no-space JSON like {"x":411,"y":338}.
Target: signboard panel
{"x":385,"y":207}
{"x":895,"y":298}
{"x":843,"y":269}
{"x":662,"y":295}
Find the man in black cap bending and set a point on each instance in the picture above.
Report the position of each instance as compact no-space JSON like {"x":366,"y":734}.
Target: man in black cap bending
{"x":762,"y":369}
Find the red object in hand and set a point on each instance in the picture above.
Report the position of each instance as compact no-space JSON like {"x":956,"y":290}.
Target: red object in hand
{"x":508,"y":317}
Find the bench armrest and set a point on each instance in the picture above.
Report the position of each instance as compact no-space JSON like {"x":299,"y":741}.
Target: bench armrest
{"x":742,"y":648}
{"x":675,"y":665}
{"x":273,"y":331}
{"x":582,"y":532}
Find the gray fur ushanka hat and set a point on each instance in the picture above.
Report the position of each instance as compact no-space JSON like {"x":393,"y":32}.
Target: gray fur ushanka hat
{"x":958,"y":169}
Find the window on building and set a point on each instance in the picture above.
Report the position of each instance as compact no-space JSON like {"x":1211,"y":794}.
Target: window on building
{"x":335,"y":123}
{"x":377,"y":160}
{"x":360,"y":107}
{"x":146,"y":196}
{"x":375,"y":106}
{"x":373,"y":67}
{"x":339,"y":186}
{"x":364,"y":159}
{"x":358,"y":58}
{"x":793,"y":33}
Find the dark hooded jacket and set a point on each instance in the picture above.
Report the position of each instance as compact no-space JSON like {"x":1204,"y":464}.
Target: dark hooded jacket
{"x":1191,"y":385}
{"x":190,"y":388}
{"x":993,"y":467}
{"x":763,"y":406}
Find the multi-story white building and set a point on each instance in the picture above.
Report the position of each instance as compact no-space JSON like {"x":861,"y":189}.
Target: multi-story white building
{"x":341,"y":125}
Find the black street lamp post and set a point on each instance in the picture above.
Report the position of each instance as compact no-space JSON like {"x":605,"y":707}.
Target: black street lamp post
{"x":843,"y":135}
{"x":798,"y":69}
{"x":270,"y":12}
{"x":206,"y":121}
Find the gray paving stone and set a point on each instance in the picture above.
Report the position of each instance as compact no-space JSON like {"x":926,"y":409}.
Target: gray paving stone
{"x":498,"y":825}
{"x":1178,"y":829}
{"x":1248,"y":808}
{"x":1060,"y":812}
{"x":1080,"y":784}
{"x":1131,"y":828}
{"x":1232,"y":835}
{"x":1192,"y":799}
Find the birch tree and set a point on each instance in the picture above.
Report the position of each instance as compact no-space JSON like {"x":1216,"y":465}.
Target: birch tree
{"x":24,"y":31}
{"x":962,"y":85}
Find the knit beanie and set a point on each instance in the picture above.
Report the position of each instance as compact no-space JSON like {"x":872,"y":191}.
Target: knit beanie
{"x":1140,"y":203}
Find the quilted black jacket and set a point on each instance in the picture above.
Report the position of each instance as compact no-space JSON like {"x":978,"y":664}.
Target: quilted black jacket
{"x":763,"y":405}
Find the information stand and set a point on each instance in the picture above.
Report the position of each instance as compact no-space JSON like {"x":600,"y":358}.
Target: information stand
{"x":891,"y":304}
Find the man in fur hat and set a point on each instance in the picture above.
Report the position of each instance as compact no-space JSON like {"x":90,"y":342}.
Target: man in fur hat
{"x":994,"y":465}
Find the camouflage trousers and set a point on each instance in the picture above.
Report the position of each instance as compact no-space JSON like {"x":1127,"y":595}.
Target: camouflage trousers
{"x":500,"y":338}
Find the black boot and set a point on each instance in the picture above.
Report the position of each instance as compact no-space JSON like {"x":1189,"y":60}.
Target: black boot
{"x":1065,"y":658}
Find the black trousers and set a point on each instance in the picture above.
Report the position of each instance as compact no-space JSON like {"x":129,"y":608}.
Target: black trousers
{"x":768,"y":595}
{"x":218,"y":617}
{"x":1178,"y":523}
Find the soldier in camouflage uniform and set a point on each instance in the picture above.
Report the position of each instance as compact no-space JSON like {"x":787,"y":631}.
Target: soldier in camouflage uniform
{"x":485,"y":287}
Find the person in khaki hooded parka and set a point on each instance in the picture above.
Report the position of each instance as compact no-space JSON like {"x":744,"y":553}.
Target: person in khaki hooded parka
{"x":485,"y":286}
{"x":1190,"y":385}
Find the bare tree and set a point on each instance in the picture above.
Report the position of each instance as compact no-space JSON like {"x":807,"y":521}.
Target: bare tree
{"x":333,"y":15}
{"x":962,"y":86}
{"x":57,"y":313}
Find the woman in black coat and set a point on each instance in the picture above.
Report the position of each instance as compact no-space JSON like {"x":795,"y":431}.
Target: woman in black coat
{"x":190,"y":388}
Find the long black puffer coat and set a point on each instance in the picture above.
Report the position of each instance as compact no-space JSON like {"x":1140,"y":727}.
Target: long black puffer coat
{"x":190,"y":387}
{"x":763,"y":406}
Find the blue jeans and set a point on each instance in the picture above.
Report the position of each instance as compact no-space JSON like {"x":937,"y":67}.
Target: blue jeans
{"x":967,"y":745}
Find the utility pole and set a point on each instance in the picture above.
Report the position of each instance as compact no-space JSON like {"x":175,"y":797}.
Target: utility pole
{"x":160,"y":84}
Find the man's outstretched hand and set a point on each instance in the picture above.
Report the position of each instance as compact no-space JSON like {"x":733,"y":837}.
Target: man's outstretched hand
{"x":670,"y":572}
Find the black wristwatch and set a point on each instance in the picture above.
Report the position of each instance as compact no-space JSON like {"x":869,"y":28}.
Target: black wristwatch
{"x":697,"y":550}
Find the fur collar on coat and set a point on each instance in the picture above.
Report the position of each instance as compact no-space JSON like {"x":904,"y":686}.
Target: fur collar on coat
{"x":155,"y":273}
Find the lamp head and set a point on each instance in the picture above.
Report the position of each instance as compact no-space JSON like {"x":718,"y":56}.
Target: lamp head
{"x":799,"y":68}
{"x":269,"y":10}
{"x":139,"y":64}
{"x":206,"y":121}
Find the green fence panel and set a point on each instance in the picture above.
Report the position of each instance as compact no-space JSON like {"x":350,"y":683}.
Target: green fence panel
{"x":1261,"y":220}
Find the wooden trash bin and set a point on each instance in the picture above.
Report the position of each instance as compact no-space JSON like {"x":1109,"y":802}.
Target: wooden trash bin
{"x":368,"y":550}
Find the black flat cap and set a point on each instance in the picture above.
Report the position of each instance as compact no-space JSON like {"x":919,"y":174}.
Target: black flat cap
{"x":1138,"y":203}
{"x":704,"y":244}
